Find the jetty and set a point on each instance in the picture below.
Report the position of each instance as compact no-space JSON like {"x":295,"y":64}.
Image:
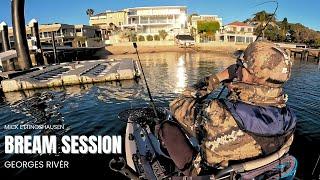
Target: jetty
{"x":301,"y":50}
{"x":305,"y":53}
{"x":65,"y":74}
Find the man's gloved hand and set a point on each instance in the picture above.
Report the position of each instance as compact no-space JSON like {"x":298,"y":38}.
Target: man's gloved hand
{"x":213,"y":83}
{"x":191,"y":92}
{"x":233,"y":71}
{"x":202,"y":88}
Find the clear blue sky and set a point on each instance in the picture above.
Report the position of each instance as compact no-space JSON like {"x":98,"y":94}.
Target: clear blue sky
{"x":73,"y":11}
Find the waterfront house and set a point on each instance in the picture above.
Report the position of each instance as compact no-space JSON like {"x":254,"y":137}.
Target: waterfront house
{"x":91,"y":36}
{"x":108,"y":22}
{"x":195,"y":19}
{"x":65,"y":34}
{"x":194,"y":23}
{"x":109,"y":19}
{"x":237,"y":32}
{"x":150,"y":20}
{"x":1,"y":48}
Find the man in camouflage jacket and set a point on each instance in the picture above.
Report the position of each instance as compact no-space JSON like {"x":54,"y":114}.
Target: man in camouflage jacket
{"x":253,"y":121}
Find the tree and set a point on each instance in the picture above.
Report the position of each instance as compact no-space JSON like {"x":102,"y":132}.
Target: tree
{"x":317,"y":43}
{"x":163,"y":34}
{"x":208,"y":27}
{"x":272,"y":33}
{"x":90,"y":12}
{"x":129,"y":35}
{"x":156,"y":37}
{"x":141,"y":38}
{"x":261,"y":18}
{"x":283,"y":29}
{"x":149,"y":38}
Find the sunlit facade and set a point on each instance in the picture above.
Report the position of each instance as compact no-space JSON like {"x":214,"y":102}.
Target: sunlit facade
{"x":150,"y":20}
{"x":237,"y":32}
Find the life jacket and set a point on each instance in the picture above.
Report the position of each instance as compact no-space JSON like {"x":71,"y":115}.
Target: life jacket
{"x":261,"y":120}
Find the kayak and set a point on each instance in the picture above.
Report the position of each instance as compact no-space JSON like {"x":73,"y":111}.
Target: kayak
{"x":145,"y":158}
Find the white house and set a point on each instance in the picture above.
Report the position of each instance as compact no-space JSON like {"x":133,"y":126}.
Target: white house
{"x":150,"y":20}
{"x":237,"y":32}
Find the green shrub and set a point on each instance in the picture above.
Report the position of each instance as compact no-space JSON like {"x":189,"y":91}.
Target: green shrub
{"x":133,"y":38}
{"x":149,"y":38}
{"x":163,"y":34}
{"x":141,"y":38}
{"x":156,"y":37}
{"x":208,"y":26}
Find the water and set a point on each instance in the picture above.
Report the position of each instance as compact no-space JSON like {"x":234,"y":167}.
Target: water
{"x":93,"y":109}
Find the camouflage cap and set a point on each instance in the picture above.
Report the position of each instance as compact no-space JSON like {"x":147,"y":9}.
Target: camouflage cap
{"x":267,"y":61}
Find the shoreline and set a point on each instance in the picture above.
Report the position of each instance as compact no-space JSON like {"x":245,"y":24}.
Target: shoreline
{"x":149,"y":47}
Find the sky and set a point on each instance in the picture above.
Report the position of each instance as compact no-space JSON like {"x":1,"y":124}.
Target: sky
{"x":305,"y":12}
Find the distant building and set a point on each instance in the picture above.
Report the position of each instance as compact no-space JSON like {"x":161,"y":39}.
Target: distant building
{"x":1,"y":48}
{"x":64,"y":33}
{"x":237,"y":32}
{"x":90,"y":35}
{"x":194,"y":19}
{"x":193,"y":25}
{"x":108,"y":19}
{"x":86,"y":31}
{"x":150,"y":20}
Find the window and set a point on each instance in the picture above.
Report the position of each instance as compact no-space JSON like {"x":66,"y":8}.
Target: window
{"x":242,"y":29}
{"x":78,"y":30}
{"x":240,"y":39}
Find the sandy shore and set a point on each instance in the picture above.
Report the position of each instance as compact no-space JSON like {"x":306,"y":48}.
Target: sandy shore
{"x":153,"y":48}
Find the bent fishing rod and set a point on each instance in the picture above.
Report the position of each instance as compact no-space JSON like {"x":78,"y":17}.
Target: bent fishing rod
{"x":259,"y":35}
{"x":145,"y":80}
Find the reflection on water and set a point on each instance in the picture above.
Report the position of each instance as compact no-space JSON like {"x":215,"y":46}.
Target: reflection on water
{"x":92,"y":109}
{"x":180,"y":75}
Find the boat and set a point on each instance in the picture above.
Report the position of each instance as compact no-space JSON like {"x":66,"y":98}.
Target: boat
{"x":146,"y":159}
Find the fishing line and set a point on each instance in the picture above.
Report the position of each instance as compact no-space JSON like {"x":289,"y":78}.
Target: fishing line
{"x":316,"y":165}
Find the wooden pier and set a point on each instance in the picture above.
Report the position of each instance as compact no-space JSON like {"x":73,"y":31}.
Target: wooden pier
{"x":301,"y":50}
{"x":65,"y":74}
{"x":305,"y":53}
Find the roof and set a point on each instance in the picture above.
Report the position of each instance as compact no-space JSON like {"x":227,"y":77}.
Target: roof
{"x":159,"y":7}
{"x":237,"y":23}
{"x":85,"y":26}
{"x":105,"y":13}
{"x":100,"y":14}
{"x":184,"y":37}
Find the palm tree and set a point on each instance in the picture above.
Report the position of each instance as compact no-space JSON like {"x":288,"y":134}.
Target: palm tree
{"x":90,"y":12}
{"x":261,"y":19}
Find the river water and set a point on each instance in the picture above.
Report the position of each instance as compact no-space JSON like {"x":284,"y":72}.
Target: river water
{"x":93,"y":109}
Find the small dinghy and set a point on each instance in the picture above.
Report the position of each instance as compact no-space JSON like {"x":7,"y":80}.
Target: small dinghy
{"x":146,"y":159}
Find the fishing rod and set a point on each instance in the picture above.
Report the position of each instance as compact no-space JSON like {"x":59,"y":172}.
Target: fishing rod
{"x":271,"y":17}
{"x":145,"y":80}
{"x":259,"y":35}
